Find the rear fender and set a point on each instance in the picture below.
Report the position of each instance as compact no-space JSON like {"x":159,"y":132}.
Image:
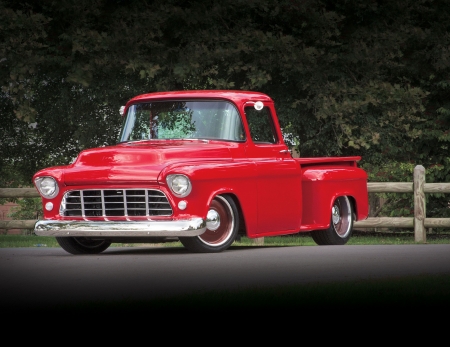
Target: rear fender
{"x":322,"y":185}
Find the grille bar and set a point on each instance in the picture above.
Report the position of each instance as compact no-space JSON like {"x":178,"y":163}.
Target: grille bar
{"x":115,"y":203}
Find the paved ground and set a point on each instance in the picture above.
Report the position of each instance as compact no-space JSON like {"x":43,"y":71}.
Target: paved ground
{"x":45,"y":277}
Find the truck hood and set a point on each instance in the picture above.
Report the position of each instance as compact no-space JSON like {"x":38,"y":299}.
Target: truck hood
{"x":141,"y":161}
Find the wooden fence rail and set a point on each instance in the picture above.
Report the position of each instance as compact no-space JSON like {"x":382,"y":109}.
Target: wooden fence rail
{"x":18,"y":193}
{"x":419,"y":222}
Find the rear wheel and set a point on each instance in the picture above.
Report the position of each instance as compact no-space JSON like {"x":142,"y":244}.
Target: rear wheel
{"x":222,"y":228}
{"x":82,"y":245}
{"x":341,"y":224}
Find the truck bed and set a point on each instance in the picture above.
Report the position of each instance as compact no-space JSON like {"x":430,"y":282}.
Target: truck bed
{"x":341,"y":161}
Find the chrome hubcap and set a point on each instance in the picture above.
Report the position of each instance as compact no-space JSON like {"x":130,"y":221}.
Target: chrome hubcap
{"x":212,"y":220}
{"x":336,"y":214}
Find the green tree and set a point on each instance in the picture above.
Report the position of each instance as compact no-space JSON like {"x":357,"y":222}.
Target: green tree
{"x":349,"y":77}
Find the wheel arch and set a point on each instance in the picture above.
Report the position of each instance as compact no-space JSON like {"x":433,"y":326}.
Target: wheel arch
{"x":222,"y":226}
{"x":340,"y":226}
{"x":242,"y":226}
{"x":352,"y":200}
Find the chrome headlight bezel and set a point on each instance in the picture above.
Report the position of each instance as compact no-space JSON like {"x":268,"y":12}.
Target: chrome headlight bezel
{"x":180,"y":185}
{"x":47,"y":186}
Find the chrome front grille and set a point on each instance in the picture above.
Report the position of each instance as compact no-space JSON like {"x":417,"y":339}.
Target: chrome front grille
{"x":115,"y":203}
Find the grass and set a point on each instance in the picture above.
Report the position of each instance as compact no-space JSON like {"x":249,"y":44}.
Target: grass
{"x":303,"y":239}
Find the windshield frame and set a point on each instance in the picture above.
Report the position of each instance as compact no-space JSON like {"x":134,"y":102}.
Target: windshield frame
{"x":175,"y":119}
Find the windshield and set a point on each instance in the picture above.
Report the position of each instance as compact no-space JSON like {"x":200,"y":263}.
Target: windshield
{"x":182,"y":120}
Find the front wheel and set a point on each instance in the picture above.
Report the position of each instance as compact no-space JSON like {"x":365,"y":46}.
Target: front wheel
{"x":341,"y":224}
{"x":222,"y":226}
{"x":82,"y":245}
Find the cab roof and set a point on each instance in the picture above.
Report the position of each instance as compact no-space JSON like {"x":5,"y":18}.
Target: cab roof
{"x":236,"y":96}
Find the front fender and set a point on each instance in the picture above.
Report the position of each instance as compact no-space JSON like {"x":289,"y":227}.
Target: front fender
{"x":213,"y":178}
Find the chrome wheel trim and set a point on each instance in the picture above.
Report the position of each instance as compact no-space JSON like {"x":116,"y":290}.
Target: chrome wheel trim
{"x":341,"y":213}
{"x":223,"y":226}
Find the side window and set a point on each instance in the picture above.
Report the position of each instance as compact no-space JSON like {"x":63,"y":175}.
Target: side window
{"x":260,"y":125}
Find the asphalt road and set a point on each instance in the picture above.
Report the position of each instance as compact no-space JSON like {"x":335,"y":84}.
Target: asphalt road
{"x":45,"y":277}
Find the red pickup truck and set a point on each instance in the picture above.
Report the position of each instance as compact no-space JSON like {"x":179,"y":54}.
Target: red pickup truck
{"x":201,"y":167}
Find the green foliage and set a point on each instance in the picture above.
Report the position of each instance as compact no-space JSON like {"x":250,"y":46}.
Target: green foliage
{"x":397,"y":204}
{"x":368,"y":78}
{"x":28,"y":209}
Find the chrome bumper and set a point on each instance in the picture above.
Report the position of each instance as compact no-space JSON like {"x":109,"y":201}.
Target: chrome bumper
{"x":190,"y":227}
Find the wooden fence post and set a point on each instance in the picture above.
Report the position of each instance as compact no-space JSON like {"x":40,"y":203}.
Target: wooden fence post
{"x":259,"y":241}
{"x":419,"y":204}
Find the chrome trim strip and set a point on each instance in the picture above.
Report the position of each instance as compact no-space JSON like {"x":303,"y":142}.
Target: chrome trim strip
{"x":102,"y":194}
{"x":83,"y":212}
{"x":125,"y":203}
{"x":147,"y":211}
{"x":189,"y":227}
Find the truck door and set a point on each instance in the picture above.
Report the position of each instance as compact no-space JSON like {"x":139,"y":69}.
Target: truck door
{"x":278,"y":175}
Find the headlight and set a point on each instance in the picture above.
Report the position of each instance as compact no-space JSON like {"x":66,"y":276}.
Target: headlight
{"x":47,"y":186}
{"x":179,"y":184}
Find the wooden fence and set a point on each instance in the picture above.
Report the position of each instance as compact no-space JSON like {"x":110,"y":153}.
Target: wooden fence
{"x":419,"y":222}
{"x":18,"y":193}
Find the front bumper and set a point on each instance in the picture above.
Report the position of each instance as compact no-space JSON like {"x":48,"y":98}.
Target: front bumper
{"x":189,"y":227}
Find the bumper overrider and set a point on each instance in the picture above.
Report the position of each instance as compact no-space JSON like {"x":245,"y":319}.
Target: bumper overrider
{"x":77,"y":228}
